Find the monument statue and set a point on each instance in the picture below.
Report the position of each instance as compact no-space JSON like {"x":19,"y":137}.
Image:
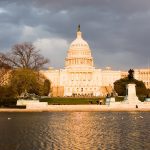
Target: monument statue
{"x":131,"y":97}
{"x":79,"y":28}
{"x":28,"y":96}
{"x":31,"y":101}
{"x":131,"y":74}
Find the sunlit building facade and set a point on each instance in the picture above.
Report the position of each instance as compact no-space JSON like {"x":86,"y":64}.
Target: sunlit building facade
{"x":79,"y":76}
{"x":143,"y":75}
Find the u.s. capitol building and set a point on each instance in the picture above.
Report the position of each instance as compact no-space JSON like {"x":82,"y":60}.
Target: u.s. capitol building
{"x":80,"y":77}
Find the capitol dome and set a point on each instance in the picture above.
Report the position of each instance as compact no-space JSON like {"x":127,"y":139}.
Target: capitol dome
{"x":79,"y":53}
{"x":79,"y":43}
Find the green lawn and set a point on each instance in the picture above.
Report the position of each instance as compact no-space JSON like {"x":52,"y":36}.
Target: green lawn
{"x":76,"y":101}
{"x":121,"y":98}
{"x":70,"y":101}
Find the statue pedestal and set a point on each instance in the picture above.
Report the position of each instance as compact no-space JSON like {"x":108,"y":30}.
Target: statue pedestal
{"x":110,"y":101}
{"x":147,"y":99}
{"x":131,"y":97}
{"x":22,"y":102}
{"x":32,"y":104}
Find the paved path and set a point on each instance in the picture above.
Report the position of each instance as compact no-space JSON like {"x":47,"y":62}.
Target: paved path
{"x":81,"y":108}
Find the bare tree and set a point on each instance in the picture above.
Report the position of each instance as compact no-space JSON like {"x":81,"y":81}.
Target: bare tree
{"x":24,"y":55}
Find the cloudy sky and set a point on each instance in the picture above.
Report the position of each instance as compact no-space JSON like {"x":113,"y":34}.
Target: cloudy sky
{"x":118,"y":31}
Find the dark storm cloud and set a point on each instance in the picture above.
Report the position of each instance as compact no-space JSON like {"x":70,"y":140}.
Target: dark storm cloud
{"x":118,"y":31}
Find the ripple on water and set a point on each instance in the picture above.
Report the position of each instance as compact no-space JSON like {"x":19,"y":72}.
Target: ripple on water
{"x":75,"y":130}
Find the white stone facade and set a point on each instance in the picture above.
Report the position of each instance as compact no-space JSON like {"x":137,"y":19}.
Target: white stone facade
{"x":80,"y":77}
{"x":143,"y":75}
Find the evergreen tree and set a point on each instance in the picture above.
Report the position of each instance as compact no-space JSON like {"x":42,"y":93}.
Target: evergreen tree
{"x":46,"y":88}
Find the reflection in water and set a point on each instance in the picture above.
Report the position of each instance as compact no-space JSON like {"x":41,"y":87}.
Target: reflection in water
{"x":75,"y":130}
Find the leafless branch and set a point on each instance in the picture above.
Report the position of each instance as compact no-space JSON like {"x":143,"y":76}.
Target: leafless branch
{"x":24,"y":55}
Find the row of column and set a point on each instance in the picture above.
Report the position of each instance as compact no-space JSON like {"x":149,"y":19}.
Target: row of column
{"x":79,"y":61}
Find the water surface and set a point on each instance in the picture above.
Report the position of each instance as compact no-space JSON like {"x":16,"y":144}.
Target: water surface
{"x":75,"y":131}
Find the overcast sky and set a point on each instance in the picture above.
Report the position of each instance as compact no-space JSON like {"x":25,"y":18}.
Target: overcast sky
{"x":118,"y":31}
